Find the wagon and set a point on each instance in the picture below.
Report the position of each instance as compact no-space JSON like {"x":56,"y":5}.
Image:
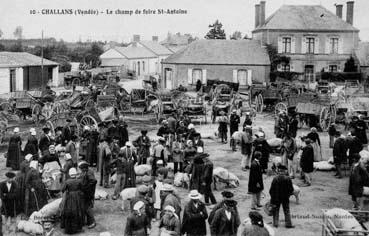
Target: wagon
{"x":164,"y":105}
{"x":77,"y":78}
{"x":222,"y":96}
{"x":192,"y":105}
{"x":137,"y":101}
{"x":329,"y":229}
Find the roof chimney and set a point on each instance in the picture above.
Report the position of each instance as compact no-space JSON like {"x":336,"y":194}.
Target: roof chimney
{"x":339,"y":10}
{"x":262,"y":13}
{"x":136,"y":38}
{"x":155,"y":38}
{"x":257,"y":15}
{"x":350,"y":12}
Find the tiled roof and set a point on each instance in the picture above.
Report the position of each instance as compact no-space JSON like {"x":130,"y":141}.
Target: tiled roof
{"x":221,"y":52}
{"x":156,"y":48}
{"x":305,"y":17}
{"x":135,"y":52}
{"x":20,"y":59}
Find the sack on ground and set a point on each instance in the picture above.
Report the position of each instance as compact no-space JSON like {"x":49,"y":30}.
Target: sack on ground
{"x":225,"y":176}
{"x":343,"y":219}
{"x":144,"y":169}
{"x":323,"y":166}
{"x":51,"y":209}
{"x":128,"y":193}
{"x":101,"y":194}
{"x":30,"y":227}
{"x":274,"y":142}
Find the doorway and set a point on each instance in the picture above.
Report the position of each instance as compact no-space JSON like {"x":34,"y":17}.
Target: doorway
{"x":168,"y":82}
{"x":12,"y":80}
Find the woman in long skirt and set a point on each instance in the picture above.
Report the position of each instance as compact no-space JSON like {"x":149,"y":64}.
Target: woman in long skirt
{"x":35,"y":189}
{"x":314,"y":136}
{"x":21,"y":179}
{"x":72,"y":216}
{"x":14,"y":151}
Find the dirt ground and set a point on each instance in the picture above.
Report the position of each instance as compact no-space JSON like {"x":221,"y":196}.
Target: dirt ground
{"x":325,"y":191}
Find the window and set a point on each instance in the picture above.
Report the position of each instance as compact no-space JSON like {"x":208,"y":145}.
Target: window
{"x":333,"y":45}
{"x":196,"y":75}
{"x":143,"y":66}
{"x":333,"y":68}
{"x":286,"y":45}
{"x":309,"y":73}
{"x":242,"y":77}
{"x":310,"y":45}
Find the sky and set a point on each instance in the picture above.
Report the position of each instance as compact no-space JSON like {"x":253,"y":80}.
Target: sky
{"x":233,"y":14}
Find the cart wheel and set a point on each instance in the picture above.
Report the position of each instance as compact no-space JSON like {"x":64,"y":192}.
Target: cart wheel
{"x":36,"y":112}
{"x":50,"y":125}
{"x":76,"y":82}
{"x":325,"y":118}
{"x":87,"y":120}
{"x":47,"y":111}
{"x":280,"y":107}
{"x":58,"y":108}
{"x":6,"y":107}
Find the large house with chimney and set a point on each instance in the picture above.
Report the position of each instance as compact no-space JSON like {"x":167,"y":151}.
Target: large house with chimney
{"x":142,"y":57}
{"x":312,"y":37}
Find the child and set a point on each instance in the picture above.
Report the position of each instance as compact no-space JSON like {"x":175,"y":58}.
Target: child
{"x":178,"y":149}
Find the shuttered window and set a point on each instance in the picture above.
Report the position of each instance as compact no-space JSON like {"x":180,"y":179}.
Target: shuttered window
{"x":196,"y":75}
{"x":242,"y":77}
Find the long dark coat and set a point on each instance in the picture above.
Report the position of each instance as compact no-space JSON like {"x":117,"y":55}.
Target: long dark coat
{"x":256,"y":177}
{"x":293,"y":127}
{"x":14,"y":152}
{"x":280,"y":189}
{"x":361,"y":131}
{"x":339,"y":151}
{"x":38,"y":198}
{"x":144,"y":144}
{"x":131,"y":174}
{"x":31,"y":147}
{"x":234,"y":121}
{"x":72,"y":212}
{"x":44,"y":143}
{"x":89,"y":182}
{"x":21,"y":179}
{"x":261,"y":145}
{"x":123,"y":134}
{"x":9,"y":199}
{"x":196,"y":171}
{"x":137,"y":225}
{"x":66,"y":134}
{"x":93,"y":143}
{"x":193,"y":222}
{"x":221,"y":226}
{"x":307,"y":159}
{"x":358,"y":179}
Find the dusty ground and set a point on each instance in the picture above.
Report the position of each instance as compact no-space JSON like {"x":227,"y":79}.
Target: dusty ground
{"x":325,"y":192}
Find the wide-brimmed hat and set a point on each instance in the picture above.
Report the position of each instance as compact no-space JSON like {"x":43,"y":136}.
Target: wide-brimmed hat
{"x":194,"y":194}
{"x":83,"y":165}
{"x":230,"y":203}
{"x":10,"y":174}
{"x":227,"y":194}
{"x":144,"y":131}
{"x":160,"y":162}
{"x":164,"y":122}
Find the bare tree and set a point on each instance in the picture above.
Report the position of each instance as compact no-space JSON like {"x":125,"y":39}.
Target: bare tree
{"x":18,"y":32}
{"x":237,"y":35}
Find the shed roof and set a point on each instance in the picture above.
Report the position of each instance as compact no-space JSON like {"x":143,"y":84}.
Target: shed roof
{"x":21,"y":59}
{"x":135,"y":52}
{"x":221,"y":52}
{"x":305,"y":17}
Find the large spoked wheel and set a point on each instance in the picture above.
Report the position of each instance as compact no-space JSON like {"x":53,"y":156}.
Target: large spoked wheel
{"x":280,"y":107}
{"x":36,"y":113}
{"x":89,"y":121}
{"x":325,"y":118}
{"x":90,"y":104}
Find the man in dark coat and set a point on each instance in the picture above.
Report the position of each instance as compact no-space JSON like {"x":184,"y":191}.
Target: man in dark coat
{"x":131,"y":157}
{"x":248,"y":120}
{"x":207,"y":179}
{"x":172,"y":123}
{"x":164,"y":130}
{"x":143,"y":143}
{"x":358,"y":179}
{"x":113,"y":130}
{"x":32,"y":145}
{"x":256,"y":184}
{"x":104,"y":162}
{"x":355,"y":146}
{"x":194,"y":216}
{"x":9,"y":197}
{"x":280,"y":191}
{"x":123,"y":132}
{"x":88,"y":188}
{"x":67,"y":132}
{"x":360,"y":131}
{"x":234,"y":121}
{"x":293,"y":126}
{"x":281,"y":125}
{"x":226,"y":220}
{"x":196,"y":170}
{"x":261,"y":145}
{"x":339,"y":153}
{"x":226,"y":197}
{"x":45,"y":141}
{"x":307,"y":161}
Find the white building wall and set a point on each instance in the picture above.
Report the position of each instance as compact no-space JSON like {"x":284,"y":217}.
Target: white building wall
{"x":55,"y":80}
{"x":19,"y":79}
{"x":4,"y":80}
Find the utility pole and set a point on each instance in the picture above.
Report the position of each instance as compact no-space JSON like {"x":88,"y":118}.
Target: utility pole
{"x":42,"y":59}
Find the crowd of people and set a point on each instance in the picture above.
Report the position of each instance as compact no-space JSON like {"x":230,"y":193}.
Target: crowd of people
{"x":109,"y":149}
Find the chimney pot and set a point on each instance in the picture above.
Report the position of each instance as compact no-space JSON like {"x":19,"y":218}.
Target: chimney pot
{"x":339,"y":10}
{"x":262,"y":13}
{"x":350,"y":12}
{"x":136,"y":38}
{"x":257,"y":15}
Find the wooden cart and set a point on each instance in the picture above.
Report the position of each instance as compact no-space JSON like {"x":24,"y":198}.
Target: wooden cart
{"x":192,"y":105}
